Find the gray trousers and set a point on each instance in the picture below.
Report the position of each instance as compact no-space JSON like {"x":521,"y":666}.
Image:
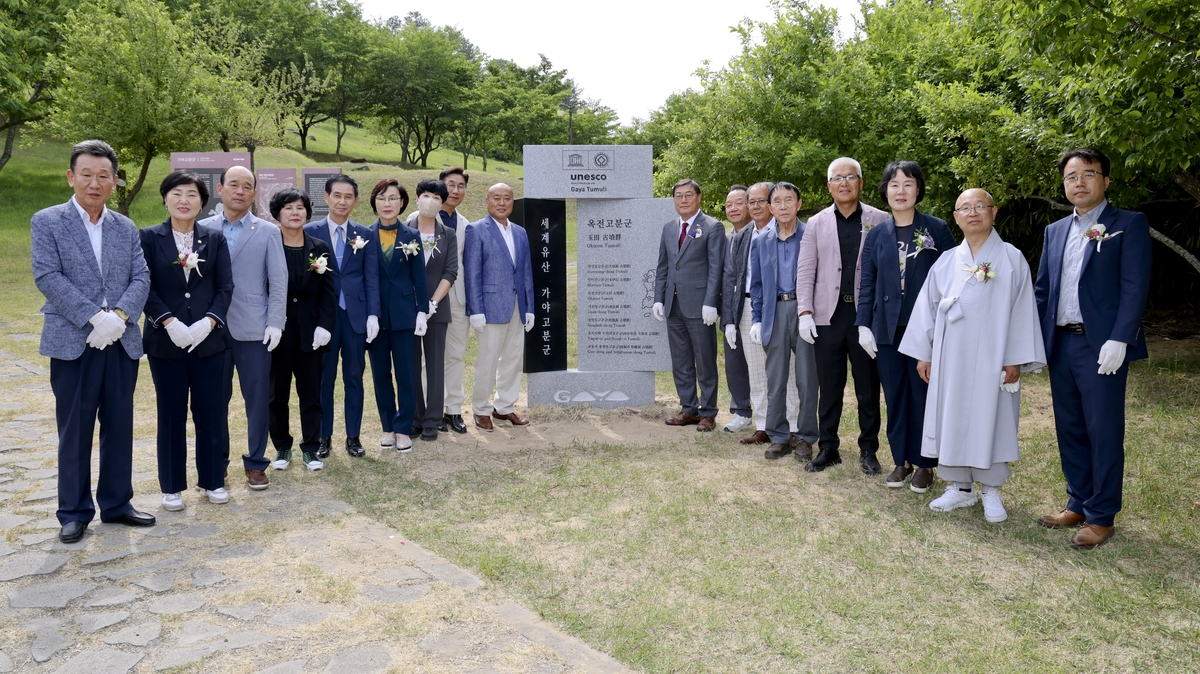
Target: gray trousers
{"x":995,"y":476}
{"x":693,"y":358}
{"x":785,"y":340}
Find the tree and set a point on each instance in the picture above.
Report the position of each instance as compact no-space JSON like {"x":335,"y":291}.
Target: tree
{"x":29,"y":37}
{"x":133,"y":77}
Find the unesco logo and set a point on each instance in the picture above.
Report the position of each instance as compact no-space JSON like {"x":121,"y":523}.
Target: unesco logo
{"x":600,"y":160}
{"x":584,"y":160}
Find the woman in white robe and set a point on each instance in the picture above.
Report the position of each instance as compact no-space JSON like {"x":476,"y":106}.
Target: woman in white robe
{"x":974,"y":329}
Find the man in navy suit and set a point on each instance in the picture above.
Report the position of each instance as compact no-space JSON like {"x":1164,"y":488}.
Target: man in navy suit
{"x":499,"y":284}
{"x":88,"y":263}
{"x":356,"y":282}
{"x":1091,"y":290}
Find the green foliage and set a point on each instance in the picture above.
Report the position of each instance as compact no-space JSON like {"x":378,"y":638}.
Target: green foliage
{"x":29,"y":36}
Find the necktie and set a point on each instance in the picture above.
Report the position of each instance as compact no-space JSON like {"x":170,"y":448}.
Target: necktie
{"x":339,"y":249}
{"x":682,"y":232}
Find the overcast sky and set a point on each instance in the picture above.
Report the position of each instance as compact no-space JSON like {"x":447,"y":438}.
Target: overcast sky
{"x":630,"y":54}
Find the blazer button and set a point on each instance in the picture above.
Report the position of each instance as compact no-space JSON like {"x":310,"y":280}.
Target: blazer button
{"x":187,"y":295}
{"x":295,"y":299}
{"x":885,"y":298}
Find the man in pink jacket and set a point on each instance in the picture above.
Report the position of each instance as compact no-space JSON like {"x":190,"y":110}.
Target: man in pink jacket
{"x":827,"y":279}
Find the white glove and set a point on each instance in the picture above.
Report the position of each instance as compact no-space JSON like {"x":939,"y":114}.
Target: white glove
{"x":94,"y":341}
{"x":479,"y":322}
{"x":731,"y":336}
{"x":1112,"y":356}
{"x":372,"y":328}
{"x":432,"y":307}
{"x":321,"y":337}
{"x":422,"y":325}
{"x":709,"y":314}
{"x":180,"y":334}
{"x":867,"y":341}
{"x":808,"y":328}
{"x":1009,"y":388}
{"x":272,"y":337}
{"x":756,"y":333}
{"x":657,"y":312}
{"x":107,"y":327}
{"x":199,"y":331}
{"x":528,"y":322}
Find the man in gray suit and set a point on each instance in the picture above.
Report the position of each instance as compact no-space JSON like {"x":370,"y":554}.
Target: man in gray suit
{"x":687,"y":289}
{"x":737,"y":373}
{"x":256,"y":312}
{"x":88,"y":263}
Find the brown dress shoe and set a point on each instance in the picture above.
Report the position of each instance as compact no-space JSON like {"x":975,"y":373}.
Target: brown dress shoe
{"x":1064,"y":518}
{"x":1091,"y":536}
{"x":683,"y":420}
{"x":759,"y":438}
{"x":922,"y":479}
{"x":895,"y":479}
{"x":802,"y":447}
{"x":706,"y":424}
{"x":511,"y":417}
{"x":483,"y":423}
{"x":257,"y":479}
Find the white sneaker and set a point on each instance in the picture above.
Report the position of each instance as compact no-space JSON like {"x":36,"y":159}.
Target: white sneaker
{"x":388,"y":440}
{"x":738,"y":424}
{"x":311,"y":461}
{"x":173,"y":502}
{"x":953,"y":498}
{"x":283,"y":459}
{"x":403,"y":443}
{"x":993,"y":509}
{"x":217,"y":496}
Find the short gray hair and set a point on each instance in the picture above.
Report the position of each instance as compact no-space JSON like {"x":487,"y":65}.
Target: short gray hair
{"x":95,"y":148}
{"x":766,"y":183}
{"x":857,"y":167}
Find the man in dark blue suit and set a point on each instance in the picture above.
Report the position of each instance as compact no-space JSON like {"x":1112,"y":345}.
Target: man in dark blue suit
{"x":356,"y":282}
{"x":1091,"y":290}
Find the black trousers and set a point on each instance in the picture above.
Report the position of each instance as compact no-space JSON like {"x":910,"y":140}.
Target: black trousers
{"x":905,"y":392}
{"x":174,"y":382}
{"x":96,"y":384}
{"x":429,"y":405}
{"x":834,"y":343}
{"x":306,"y":367}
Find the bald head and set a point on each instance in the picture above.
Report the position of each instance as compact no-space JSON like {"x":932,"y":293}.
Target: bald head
{"x":973,"y":195}
{"x":975,"y":213}
{"x":500,"y":202}
{"x":236,"y":191}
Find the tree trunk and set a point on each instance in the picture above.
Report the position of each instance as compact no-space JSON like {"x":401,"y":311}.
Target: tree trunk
{"x":303,"y":129}
{"x":123,"y":207}
{"x":1189,"y":182}
{"x":224,"y":140}
{"x":253,"y":204}
{"x":341,"y":131}
{"x":465,"y":167}
{"x":8,"y":146}
{"x":1164,"y":240}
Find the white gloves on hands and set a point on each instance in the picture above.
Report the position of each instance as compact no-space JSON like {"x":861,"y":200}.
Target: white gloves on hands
{"x":657,"y":312}
{"x":808,"y":328}
{"x":1112,"y":356}
{"x":731,"y":336}
{"x":199,"y":331}
{"x":866,"y":339}
{"x":528,"y":322}
{"x":422,"y":325}
{"x":372,"y":328}
{"x":107,"y":327}
{"x":756,"y":333}
{"x":180,"y":334}
{"x":709,"y":314}
{"x":432,"y":307}
{"x":272,"y":337}
{"x":479,"y":322}
{"x":1009,"y":388}
{"x":321,"y":337}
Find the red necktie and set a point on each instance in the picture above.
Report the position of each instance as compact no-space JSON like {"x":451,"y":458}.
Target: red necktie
{"x":682,"y":233}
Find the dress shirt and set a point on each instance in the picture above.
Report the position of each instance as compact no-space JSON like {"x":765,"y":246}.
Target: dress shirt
{"x":785,"y":267}
{"x":449,"y":219}
{"x":233,"y":230}
{"x":1072,"y":265}
{"x":506,"y":232}
{"x":849,"y":238}
{"x":94,"y":231}
{"x":768,"y":228}
{"x":333,"y":235}
{"x":685,"y":225}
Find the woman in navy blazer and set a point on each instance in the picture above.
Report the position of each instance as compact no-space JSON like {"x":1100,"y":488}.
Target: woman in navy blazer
{"x":896,"y":258}
{"x":403,"y":307}
{"x":185,"y":338}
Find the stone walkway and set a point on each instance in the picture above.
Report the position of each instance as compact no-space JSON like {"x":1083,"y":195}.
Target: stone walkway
{"x":283,"y":581}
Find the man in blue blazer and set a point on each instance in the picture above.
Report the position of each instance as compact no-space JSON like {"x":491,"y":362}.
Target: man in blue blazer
{"x":499,"y":285}
{"x":356,"y":282}
{"x":88,"y":263}
{"x":1091,"y":290}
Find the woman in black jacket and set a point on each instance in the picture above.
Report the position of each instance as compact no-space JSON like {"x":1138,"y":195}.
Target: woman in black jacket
{"x":186,"y":339}
{"x":311,"y":307}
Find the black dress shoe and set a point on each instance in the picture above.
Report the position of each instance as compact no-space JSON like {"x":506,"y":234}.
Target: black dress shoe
{"x":324,"y":444}
{"x":134,"y":518}
{"x":870,"y":464}
{"x":456,"y":423}
{"x":429,"y":434}
{"x":825,"y":458}
{"x":72,"y":532}
{"x":444,"y":426}
{"x":354,"y":447}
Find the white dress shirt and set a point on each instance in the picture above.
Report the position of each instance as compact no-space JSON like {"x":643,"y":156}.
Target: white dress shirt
{"x":1072,"y":265}
{"x":95,"y":231}
{"x":506,"y":232}
{"x":333,"y":235}
{"x":767,"y":229}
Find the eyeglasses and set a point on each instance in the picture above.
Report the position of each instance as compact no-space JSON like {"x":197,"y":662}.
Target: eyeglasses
{"x":756,"y":202}
{"x":1088,"y":175}
{"x":388,"y":200}
{"x":685,"y":195}
{"x":977,"y":208}
{"x":837,"y":180}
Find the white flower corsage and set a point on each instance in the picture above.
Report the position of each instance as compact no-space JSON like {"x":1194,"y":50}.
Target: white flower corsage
{"x":358,"y":243}
{"x":1096,"y":233}
{"x":190,"y":261}
{"x":982,"y":272}
{"x":319,"y":264}
{"x":695,"y":233}
{"x":430,"y":244}
{"x":410,"y":249}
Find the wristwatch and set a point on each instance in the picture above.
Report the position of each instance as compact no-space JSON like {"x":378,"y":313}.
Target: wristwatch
{"x":121,"y":312}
